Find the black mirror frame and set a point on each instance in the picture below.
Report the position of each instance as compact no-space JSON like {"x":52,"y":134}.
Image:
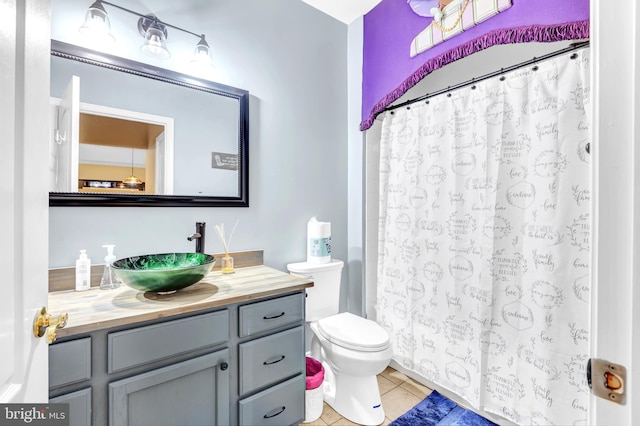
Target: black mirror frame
{"x":77,"y":53}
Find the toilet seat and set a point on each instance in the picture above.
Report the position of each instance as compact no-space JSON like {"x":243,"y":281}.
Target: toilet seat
{"x":353,"y":332}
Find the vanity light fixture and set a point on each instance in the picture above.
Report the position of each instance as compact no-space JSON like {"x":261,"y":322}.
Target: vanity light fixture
{"x":96,"y":23}
{"x":202,"y":52}
{"x":155,"y":37}
{"x":150,"y":27}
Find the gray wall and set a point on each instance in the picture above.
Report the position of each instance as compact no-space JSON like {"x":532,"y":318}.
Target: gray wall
{"x":355,"y":176}
{"x":293,"y":60}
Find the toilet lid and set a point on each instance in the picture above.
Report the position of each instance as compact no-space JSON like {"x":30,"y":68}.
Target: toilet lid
{"x":354,"y":332}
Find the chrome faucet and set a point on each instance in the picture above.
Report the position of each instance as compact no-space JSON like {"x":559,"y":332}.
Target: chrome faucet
{"x":198,"y":236}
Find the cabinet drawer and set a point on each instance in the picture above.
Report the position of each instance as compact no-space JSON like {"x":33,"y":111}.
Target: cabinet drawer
{"x":270,"y":314}
{"x":280,"y":405}
{"x":69,"y":362}
{"x":270,"y":359}
{"x":139,"y":346}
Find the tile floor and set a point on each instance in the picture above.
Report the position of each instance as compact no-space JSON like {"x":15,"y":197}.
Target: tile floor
{"x":399,"y":394}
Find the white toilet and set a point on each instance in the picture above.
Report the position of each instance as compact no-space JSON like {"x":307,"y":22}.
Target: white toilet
{"x":353,"y":350}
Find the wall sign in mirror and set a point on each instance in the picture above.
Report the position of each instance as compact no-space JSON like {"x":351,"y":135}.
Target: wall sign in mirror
{"x":126,"y":133}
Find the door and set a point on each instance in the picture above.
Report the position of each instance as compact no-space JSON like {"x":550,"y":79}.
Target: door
{"x":160,"y":166}
{"x":24,"y":130}
{"x":616,"y":189}
{"x":66,"y":134}
{"x":192,"y":392}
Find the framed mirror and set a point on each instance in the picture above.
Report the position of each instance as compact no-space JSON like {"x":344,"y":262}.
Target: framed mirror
{"x":126,"y":133}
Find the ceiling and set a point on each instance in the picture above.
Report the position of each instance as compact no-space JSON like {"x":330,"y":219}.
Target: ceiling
{"x":346,"y":11}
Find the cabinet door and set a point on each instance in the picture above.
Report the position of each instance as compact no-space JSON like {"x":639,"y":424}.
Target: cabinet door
{"x":79,"y":406}
{"x":193,"y":392}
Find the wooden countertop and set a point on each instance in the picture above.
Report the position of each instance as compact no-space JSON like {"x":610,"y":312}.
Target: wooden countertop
{"x":97,"y":309}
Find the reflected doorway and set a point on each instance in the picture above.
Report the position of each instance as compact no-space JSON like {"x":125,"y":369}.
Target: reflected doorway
{"x":114,"y":149}
{"x":114,"y":145}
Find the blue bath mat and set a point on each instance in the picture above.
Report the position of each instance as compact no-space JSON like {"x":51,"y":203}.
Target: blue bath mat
{"x":436,"y":409}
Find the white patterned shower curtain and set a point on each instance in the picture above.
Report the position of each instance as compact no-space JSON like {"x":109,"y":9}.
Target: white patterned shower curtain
{"x":484,"y":233}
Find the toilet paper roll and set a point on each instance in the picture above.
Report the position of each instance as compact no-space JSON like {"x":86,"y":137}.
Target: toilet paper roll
{"x":319,"y":241}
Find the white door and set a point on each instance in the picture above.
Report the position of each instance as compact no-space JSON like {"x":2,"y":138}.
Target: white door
{"x":24,"y":130}
{"x":160,"y":166}
{"x":66,"y":139}
{"x":616,"y":238}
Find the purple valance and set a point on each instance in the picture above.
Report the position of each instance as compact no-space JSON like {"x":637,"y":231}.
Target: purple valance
{"x":389,"y":71}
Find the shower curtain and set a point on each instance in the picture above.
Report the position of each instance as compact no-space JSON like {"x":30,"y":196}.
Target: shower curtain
{"x":484,"y":230}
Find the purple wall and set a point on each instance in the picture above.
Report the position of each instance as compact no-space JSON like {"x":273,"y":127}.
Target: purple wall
{"x":389,"y":71}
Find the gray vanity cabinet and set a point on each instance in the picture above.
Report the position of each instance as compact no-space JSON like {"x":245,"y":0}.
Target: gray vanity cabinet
{"x":240,"y":364}
{"x":164,"y":372}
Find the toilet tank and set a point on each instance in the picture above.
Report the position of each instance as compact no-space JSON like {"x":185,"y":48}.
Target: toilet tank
{"x":323,"y":299}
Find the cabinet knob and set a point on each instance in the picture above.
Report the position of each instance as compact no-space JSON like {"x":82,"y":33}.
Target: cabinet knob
{"x":224,"y":366}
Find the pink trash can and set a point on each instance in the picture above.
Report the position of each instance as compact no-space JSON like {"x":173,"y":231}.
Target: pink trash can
{"x":313,"y":397}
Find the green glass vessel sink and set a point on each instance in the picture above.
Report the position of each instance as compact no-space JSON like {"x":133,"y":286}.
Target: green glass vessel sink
{"x":163,"y":273}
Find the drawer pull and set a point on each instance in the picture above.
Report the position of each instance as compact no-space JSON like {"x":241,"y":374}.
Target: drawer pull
{"x":273,"y":317}
{"x":269,"y":415}
{"x":274,"y":362}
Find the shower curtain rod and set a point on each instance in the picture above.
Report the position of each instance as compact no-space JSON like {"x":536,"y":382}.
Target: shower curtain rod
{"x":570,"y":48}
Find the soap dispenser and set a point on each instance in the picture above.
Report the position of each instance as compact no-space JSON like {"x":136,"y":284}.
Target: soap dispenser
{"x":109,"y":280}
{"x":83,"y":272}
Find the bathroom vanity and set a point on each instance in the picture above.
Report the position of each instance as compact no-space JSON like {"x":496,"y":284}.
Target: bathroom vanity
{"x":227,"y":350}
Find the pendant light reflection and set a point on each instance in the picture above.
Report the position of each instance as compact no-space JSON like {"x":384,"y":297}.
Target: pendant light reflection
{"x":132,"y":181}
{"x":96,"y":24}
{"x":155,"y":37}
